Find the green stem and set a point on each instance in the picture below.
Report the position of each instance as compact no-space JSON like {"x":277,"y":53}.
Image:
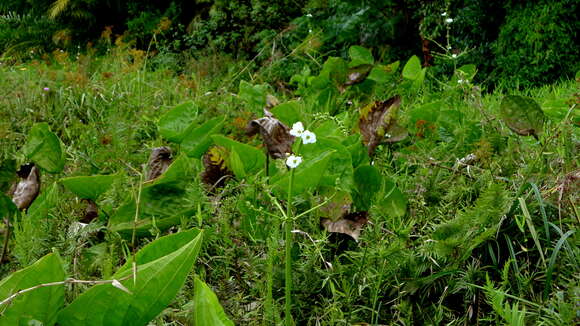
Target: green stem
{"x":288,"y":253}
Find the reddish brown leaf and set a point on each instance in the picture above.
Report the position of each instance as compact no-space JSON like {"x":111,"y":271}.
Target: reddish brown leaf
{"x":27,"y":188}
{"x":159,"y":161}
{"x":378,"y":123}
{"x":274,"y":133}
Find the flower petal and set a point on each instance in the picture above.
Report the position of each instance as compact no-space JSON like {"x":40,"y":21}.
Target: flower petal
{"x":293,"y":161}
{"x":297,"y":129}
{"x":308,"y":137}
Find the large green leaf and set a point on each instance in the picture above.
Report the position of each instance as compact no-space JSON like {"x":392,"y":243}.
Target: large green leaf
{"x":360,"y":56}
{"x":307,"y":175}
{"x":175,"y":122}
{"x":522,"y":115}
{"x":163,"y":202}
{"x":335,"y":69}
{"x":197,"y":140}
{"x":44,"y":149}
{"x":89,"y":187}
{"x":156,"y":285}
{"x":339,"y":171}
{"x":393,"y":201}
{"x":368,"y":181}
{"x":47,"y":200}
{"x":412,"y":69}
{"x":252,"y":158}
{"x":207,"y":309}
{"x":383,"y":73}
{"x":160,"y":247}
{"x":7,"y":207}
{"x":38,"y":306}
{"x":253,"y":95}
{"x":288,"y":112}
{"x":7,"y":174}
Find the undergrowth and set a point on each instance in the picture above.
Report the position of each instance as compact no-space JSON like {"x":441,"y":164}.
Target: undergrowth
{"x":476,"y":241}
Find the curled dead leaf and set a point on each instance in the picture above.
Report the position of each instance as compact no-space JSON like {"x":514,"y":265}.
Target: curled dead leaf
{"x":215,"y":171}
{"x":28,"y":187}
{"x":274,"y":133}
{"x":350,"y":224}
{"x":159,"y":161}
{"x":378,"y":123}
{"x":91,"y":212}
{"x":271,"y":101}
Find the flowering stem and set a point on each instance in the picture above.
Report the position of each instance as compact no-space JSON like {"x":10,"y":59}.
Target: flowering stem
{"x":288,"y":253}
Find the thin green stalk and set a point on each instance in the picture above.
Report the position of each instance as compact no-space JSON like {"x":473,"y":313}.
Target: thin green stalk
{"x":288,"y":253}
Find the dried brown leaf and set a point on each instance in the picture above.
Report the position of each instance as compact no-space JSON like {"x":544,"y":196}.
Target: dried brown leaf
{"x":215,"y":171}
{"x":271,"y":101}
{"x":351,"y":224}
{"x":275,"y":135}
{"x":28,"y":187}
{"x":159,"y":161}
{"x":378,"y":123}
{"x":91,"y":212}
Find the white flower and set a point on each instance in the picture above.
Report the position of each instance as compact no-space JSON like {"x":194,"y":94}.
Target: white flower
{"x":308,"y":137}
{"x":444,"y":13}
{"x":449,"y":20}
{"x":461,"y":81}
{"x":297,"y":129}
{"x":308,"y":15}
{"x":454,"y":55}
{"x":309,"y":31}
{"x":293,"y":161}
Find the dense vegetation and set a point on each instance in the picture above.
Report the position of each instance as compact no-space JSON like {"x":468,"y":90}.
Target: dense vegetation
{"x":437,"y":180}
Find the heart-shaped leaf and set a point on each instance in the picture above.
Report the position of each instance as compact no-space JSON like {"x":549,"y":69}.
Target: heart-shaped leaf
{"x":360,"y":56}
{"x":155,"y":286}
{"x":307,"y":175}
{"x":163,"y":202}
{"x":378,"y":123}
{"x":44,"y":148}
{"x":175,"y":122}
{"x":253,"y":95}
{"x":197,"y":140}
{"x":393,"y":202}
{"x":160,"y":248}
{"x":7,"y":174}
{"x":368,"y":181}
{"x":207,"y":309}
{"x":89,"y":187}
{"x":253,"y":159}
{"x":383,"y":73}
{"x":41,"y":206}
{"x":412,"y":69}
{"x":522,"y":115}
{"x":39,"y":306}
{"x":289,"y":112}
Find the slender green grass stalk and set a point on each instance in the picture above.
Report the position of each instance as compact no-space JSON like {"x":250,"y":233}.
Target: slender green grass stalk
{"x":552,"y":262}
{"x":288,"y":253}
{"x":269,"y":302}
{"x":532,"y":229}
